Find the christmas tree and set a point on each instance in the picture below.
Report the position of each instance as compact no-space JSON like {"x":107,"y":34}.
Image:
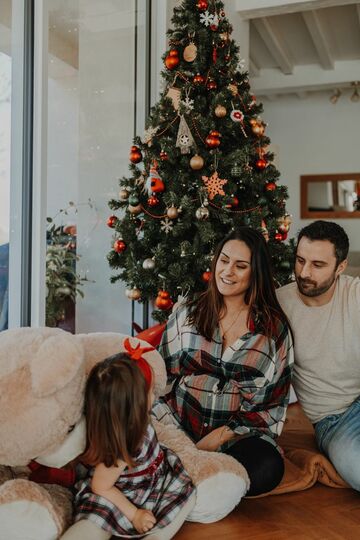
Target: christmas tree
{"x":201,"y":168}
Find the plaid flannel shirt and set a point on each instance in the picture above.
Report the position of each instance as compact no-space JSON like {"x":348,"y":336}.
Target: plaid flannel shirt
{"x":245,"y":387}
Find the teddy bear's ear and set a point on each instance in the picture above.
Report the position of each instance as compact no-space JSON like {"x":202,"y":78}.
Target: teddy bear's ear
{"x":62,"y":350}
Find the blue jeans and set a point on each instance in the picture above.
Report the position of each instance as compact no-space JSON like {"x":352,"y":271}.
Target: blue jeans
{"x":338,"y":437}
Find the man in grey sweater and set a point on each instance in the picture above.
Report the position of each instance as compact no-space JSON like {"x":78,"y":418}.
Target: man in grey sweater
{"x":323,"y":307}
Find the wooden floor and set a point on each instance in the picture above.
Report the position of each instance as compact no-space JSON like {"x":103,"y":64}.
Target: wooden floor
{"x":319,"y":513}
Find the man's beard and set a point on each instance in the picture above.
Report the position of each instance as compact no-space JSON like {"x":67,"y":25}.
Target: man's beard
{"x":314,"y":290}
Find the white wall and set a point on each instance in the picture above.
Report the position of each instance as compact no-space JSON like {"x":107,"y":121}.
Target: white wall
{"x":314,"y":137}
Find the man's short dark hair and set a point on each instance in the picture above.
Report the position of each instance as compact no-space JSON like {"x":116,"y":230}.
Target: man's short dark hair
{"x":328,"y":230}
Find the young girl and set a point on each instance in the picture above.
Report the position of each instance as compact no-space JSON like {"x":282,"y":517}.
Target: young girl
{"x":135,"y":484}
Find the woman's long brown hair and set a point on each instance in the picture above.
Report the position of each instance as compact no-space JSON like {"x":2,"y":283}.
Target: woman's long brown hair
{"x":264,"y":309}
{"x":116,"y":410}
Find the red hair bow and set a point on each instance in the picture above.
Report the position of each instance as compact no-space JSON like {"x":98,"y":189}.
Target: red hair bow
{"x":136,"y":353}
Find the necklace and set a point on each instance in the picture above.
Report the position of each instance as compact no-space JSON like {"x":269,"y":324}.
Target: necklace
{"x":224,"y":332}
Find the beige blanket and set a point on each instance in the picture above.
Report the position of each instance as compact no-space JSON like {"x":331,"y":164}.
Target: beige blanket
{"x":304,"y":464}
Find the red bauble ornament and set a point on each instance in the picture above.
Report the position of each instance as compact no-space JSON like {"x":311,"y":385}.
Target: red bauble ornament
{"x":270,"y":186}
{"x":284,"y":235}
{"x":227,"y":57}
{"x":153,"y":201}
{"x":206,"y":276}
{"x":135,"y":154}
{"x":111,"y":221}
{"x":172,"y":59}
{"x":119,"y":246}
{"x":202,"y":5}
{"x":198,"y":79}
{"x":278,"y":237}
{"x":211,"y":84}
{"x":163,"y":155}
{"x":213,"y":139}
{"x":261,"y":164}
{"x":163,"y":300}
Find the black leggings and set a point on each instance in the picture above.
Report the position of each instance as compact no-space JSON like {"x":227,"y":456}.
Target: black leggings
{"x":262,"y":461}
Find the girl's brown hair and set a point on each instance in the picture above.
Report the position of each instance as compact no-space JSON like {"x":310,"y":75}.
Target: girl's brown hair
{"x":116,"y":409}
{"x":264,"y":309}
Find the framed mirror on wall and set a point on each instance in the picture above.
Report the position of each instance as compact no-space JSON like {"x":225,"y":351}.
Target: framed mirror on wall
{"x":330,"y":195}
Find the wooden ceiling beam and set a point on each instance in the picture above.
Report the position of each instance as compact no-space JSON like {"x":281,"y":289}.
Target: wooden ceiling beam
{"x":358,"y":11}
{"x":252,"y":9}
{"x":318,"y":37}
{"x":305,"y":78}
{"x":275,"y":45}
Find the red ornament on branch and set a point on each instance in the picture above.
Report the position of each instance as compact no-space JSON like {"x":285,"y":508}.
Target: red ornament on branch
{"x":261,"y":164}
{"x":206,"y":276}
{"x":111,"y":221}
{"x":163,"y":300}
{"x":119,"y":246}
{"x":211,"y":84}
{"x":135,"y":154}
{"x":213,"y":139}
{"x":198,"y":79}
{"x":202,"y":5}
{"x":214,"y":55}
{"x":163,"y":155}
{"x":153,"y":201}
{"x":172,"y":59}
{"x":278,"y":237}
{"x":270,"y":186}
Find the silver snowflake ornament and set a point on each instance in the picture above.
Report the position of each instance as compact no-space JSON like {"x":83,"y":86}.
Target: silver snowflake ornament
{"x":188,"y":103}
{"x":166,"y":225}
{"x":206,"y":18}
{"x":149,"y":133}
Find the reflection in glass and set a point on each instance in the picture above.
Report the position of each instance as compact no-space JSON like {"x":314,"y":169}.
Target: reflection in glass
{"x":330,"y":195}
{"x":336,"y":195}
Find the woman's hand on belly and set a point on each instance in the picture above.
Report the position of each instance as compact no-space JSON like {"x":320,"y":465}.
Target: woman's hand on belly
{"x":212,"y":441}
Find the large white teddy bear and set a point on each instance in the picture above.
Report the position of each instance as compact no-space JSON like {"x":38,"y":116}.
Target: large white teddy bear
{"x":42,"y":429}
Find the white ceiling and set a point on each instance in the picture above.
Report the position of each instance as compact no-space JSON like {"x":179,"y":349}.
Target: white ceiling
{"x":300,"y":47}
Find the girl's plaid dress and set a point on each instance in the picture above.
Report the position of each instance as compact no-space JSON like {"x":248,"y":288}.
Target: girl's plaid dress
{"x":158,"y":483}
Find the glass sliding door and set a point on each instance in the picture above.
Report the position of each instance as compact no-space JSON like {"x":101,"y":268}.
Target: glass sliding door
{"x":95,"y":96}
{"x":5,"y":146}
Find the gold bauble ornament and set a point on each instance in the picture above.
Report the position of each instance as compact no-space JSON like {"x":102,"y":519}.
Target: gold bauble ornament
{"x":123,"y":195}
{"x":172,"y":212}
{"x":133,"y":294}
{"x":135,"y":209}
{"x":190,"y":52}
{"x":258,"y":129}
{"x":220,"y":111}
{"x":233,"y":89}
{"x":196,"y":162}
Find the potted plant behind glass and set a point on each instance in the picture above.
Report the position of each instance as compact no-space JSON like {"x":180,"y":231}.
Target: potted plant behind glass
{"x":63,"y":282}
